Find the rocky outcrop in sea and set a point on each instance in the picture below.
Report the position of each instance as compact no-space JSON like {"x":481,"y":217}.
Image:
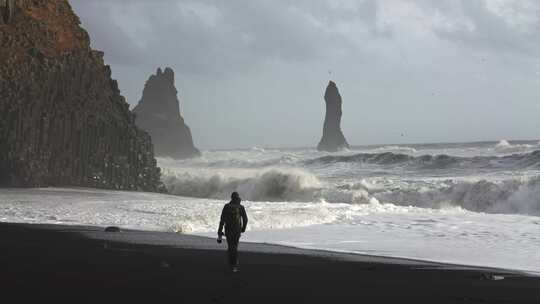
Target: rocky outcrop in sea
{"x":333,"y":139}
{"x":158,"y":113}
{"x":63,"y":121}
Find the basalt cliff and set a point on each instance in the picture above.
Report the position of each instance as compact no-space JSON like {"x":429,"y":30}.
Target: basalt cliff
{"x":63,"y":121}
{"x":333,"y":139}
{"x":158,"y":113}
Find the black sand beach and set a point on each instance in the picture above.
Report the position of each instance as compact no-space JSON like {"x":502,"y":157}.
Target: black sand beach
{"x":84,"y":264}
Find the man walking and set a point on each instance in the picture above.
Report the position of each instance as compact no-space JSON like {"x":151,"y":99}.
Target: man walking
{"x":235,"y":220}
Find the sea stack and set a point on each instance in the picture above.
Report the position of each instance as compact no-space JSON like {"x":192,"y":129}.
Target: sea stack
{"x":332,"y":139}
{"x":63,"y":121}
{"x":158,"y":113}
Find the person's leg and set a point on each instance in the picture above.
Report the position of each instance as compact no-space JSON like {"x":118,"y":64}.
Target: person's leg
{"x":232,"y":250}
{"x":230,"y":245}
{"x":234,"y":257}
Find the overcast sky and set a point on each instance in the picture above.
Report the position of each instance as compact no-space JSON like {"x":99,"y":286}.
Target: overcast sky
{"x":253,"y":72}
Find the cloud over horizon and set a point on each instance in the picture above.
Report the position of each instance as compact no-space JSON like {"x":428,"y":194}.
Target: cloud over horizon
{"x":449,"y":70}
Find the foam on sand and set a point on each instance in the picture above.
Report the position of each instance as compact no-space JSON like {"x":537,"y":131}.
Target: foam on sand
{"x":504,"y":241}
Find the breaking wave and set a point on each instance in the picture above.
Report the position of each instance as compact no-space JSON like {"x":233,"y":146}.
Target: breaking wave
{"x":229,"y":160}
{"x":506,"y":146}
{"x":474,"y":178}
{"x":521,"y":196}
{"x":396,"y":149}
{"x":514,"y":196}
{"x":270,"y":185}
{"x":511,"y":196}
{"x":441,"y":161}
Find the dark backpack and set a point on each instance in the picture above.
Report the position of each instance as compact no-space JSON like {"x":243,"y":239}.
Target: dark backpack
{"x":233,"y":221}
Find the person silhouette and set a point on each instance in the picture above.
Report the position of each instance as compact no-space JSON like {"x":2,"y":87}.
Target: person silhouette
{"x":234,"y":219}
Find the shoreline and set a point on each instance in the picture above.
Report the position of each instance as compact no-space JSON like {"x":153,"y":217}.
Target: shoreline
{"x":272,"y":248}
{"x":137,"y":237}
{"x":85,"y":263}
{"x":141,"y":210}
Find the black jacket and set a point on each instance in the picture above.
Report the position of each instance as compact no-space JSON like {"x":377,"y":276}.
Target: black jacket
{"x":231,"y":228}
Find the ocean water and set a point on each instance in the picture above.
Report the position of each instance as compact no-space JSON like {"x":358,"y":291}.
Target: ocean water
{"x":463,"y":203}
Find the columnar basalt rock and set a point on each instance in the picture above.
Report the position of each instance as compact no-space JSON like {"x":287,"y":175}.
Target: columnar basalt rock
{"x":333,"y":139}
{"x":62,"y":118}
{"x":6,"y":11}
{"x":158,"y":113}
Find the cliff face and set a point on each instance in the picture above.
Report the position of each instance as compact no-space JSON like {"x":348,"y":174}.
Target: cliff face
{"x":158,"y":113}
{"x":62,"y":118}
{"x":333,"y":139}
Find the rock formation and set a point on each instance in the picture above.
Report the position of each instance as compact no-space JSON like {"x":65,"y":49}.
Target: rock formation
{"x":158,"y":113}
{"x":6,"y":10}
{"x":62,"y":118}
{"x":332,"y":139}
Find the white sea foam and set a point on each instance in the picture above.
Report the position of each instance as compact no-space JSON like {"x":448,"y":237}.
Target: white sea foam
{"x":150,"y":211}
{"x":507,"y":241}
{"x":512,"y":196}
{"x":506,"y":147}
{"x":396,"y":149}
{"x":503,"y":143}
{"x":414,"y":201}
{"x":516,"y":195}
{"x":275,"y":184}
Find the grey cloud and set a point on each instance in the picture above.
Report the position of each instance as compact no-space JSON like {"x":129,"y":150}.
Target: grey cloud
{"x":249,"y":70}
{"x":106,"y":34}
{"x":245,"y":34}
{"x":490,"y":31}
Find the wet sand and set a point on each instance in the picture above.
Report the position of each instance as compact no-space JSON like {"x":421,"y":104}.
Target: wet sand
{"x":86,"y":265}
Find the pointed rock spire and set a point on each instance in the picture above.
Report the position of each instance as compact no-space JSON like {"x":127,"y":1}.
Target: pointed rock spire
{"x":333,"y":139}
{"x":158,"y":114}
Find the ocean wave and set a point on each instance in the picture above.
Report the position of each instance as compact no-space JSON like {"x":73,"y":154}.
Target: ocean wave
{"x":520,"y":195}
{"x":230,"y":160}
{"x":400,"y":149}
{"x":505,"y":146}
{"x":441,"y":161}
{"x":273,"y":184}
{"x":512,"y":196}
